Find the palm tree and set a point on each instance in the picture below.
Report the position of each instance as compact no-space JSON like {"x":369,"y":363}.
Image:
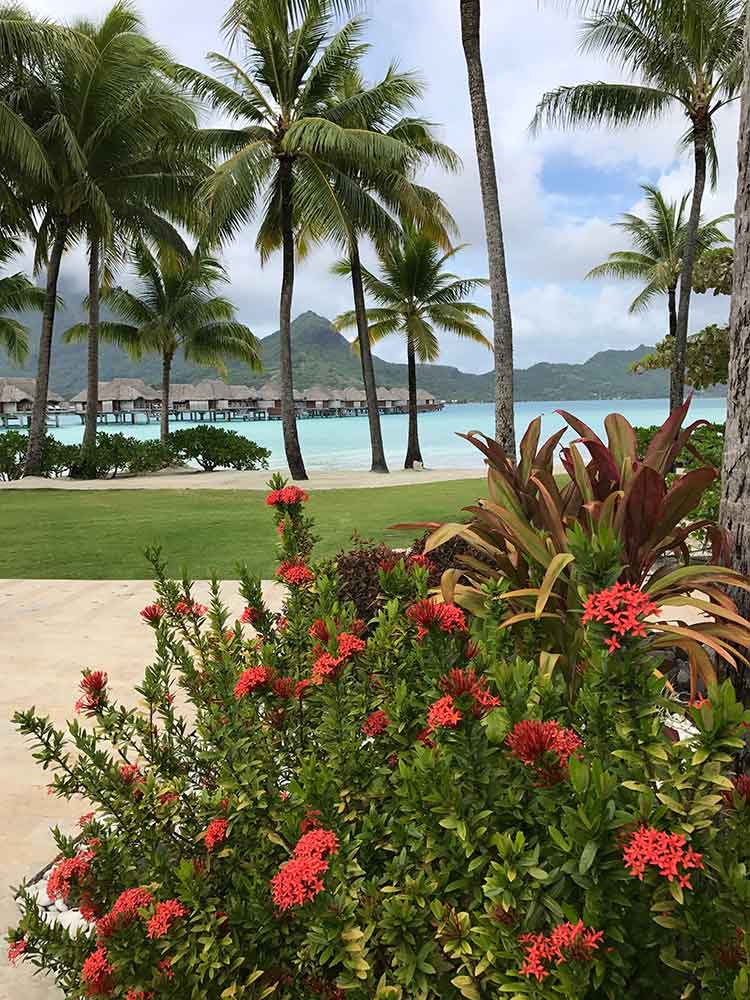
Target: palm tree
{"x":687,"y":54}
{"x":658,"y":246}
{"x":502,"y":321}
{"x":735,"y":496}
{"x":17,"y":294}
{"x":290,"y":134}
{"x":175,"y":309}
{"x":416,"y":296}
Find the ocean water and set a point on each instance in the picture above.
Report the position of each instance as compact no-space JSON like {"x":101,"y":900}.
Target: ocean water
{"x":340,"y":444}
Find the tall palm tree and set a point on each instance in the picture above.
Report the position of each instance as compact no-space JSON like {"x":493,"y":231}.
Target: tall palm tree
{"x":686,"y":54}
{"x":17,"y":294}
{"x":416,"y":297}
{"x":175,"y":309}
{"x":289,"y":134}
{"x":502,"y":320}
{"x":658,"y":247}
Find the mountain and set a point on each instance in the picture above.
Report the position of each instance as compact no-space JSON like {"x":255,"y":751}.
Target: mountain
{"x":323,"y":356}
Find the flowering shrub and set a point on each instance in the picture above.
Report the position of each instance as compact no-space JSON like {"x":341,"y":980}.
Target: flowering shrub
{"x":308,"y":804}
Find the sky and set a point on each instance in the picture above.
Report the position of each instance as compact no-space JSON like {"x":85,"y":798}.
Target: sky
{"x":560,"y":191}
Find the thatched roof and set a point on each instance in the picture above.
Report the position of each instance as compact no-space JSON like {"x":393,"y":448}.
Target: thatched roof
{"x":10,"y":386}
{"x":120,"y":389}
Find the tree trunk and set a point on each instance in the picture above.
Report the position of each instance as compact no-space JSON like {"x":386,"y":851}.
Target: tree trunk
{"x":38,"y":428}
{"x":92,"y":365}
{"x":677,"y":380}
{"x":503,"y":328}
{"x":368,"y":372}
{"x":672,"y":306}
{"x":166,"y":376}
{"x":735,"y":497}
{"x":413,"y":453}
{"x":288,"y":413}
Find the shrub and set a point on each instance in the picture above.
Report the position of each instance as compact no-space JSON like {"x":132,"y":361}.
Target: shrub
{"x":357,"y":574}
{"x":117,"y":453}
{"x":300,"y":811}
{"x":217,"y":448}
{"x":56,"y":456}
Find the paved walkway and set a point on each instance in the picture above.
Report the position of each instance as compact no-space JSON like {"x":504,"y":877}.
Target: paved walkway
{"x":50,"y":631}
{"x":191,"y":479}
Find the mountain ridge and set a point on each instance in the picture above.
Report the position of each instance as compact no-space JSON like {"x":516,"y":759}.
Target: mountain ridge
{"x":323,"y":356}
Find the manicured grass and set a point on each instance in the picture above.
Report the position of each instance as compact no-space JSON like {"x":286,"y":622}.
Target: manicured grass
{"x":101,"y":535}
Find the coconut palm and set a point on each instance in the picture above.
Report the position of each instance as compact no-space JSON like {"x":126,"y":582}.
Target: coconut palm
{"x":685,"y":54}
{"x":173,"y":309}
{"x":17,"y":294}
{"x":658,"y":246}
{"x":289,"y":135}
{"x":416,"y":297}
{"x":502,"y":321}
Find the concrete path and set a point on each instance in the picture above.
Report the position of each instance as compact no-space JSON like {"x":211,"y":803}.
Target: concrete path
{"x":191,"y":479}
{"x":49,"y":631}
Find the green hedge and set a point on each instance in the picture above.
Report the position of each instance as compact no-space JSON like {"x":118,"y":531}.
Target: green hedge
{"x":708,"y":441}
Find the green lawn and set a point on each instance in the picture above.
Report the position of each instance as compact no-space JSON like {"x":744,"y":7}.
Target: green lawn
{"x":101,"y":535}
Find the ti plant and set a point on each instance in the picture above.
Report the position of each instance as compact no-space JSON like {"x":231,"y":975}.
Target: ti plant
{"x":546,"y":546}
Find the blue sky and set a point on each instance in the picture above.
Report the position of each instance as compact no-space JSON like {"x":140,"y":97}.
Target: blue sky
{"x":560,"y":192}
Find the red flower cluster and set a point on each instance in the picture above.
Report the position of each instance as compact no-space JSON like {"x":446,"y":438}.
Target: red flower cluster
{"x":15,"y":950}
{"x":327,"y":666}
{"x":443,"y":713}
{"x":420,"y":559}
{"x":298,"y":880}
{"x":667,"y":852}
{"x":139,"y":995}
{"x":545,"y":746}
{"x":565,"y":943}
{"x":152,"y":613}
{"x":216,"y":833}
{"x":61,"y":876}
{"x":164,"y":916}
{"x":250,"y":680}
{"x":319,"y":630}
{"x":96,"y":973}
{"x":311,"y":820}
{"x":284,"y":688}
{"x":85,"y":819}
{"x":458,"y":683}
{"x":302,"y":686}
{"x":376,"y":723}
{"x":741,"y":790}
{"x":622,"y":607}
{"x":250,"y":615}
{"x":124,"y":911}
{"x":183,"y":608}
{"x":295,"y":574}
{"x":446,"y":617}
{"x":131,"y":775}
{"x":164,"y":965}
{"x":94,"y":687}
{"x":289,"y":496}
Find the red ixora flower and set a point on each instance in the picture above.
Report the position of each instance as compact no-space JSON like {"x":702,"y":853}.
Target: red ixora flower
{"x":250,"y":615}
{"x":298,"y":880}
{"x":16,"y":949}
{"x":319,"y":630}
{"x":740,"y":791}
{"x":302,"y":686}
{"x":216,"y":833}
{"x":311,"y":820}
{"x":152,"y":613}
{"x":349,"y":645}
{"x":192,"y":608}
{"x":125,"y":910}
{"x":446,"y":617}
{"x":96,"y":973}
{"x":164,"y":916}
{"x":139,"y":995}
{"x":132,"y":775}
{"x":443,"y":713}
{"x":94,"y":687}
{"x":623,"y":607}
{"x":326,"y":668}
{"x":289,"y":496}
{"x":252,"y":679}
{"x":295,"y":574}
{"x":85,"y":819}
{"x":65,"y":871}
{"x":667,"y":852}
{"x":376,"y":723}
{"x":545,"y":746}
{"x":458,"y":683}
{"x":565,"y":943}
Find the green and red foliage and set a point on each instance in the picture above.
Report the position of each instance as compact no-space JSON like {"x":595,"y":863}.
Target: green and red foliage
{"x":300,"y":808}
{"x":619,"y":518}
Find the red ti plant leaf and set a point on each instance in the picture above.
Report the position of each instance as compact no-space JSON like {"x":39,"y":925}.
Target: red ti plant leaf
{"x":545,"y":456}
{"x":527,"y":449}
{"x":603,"y":470}
{"x":681,"y":499}
{"x":621,"y":438}
{"x":639,"y":512}
{"x":579,"y":427}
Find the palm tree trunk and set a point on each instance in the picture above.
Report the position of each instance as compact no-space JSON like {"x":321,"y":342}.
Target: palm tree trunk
{"x":368,"y":371}
{"x":38,"y":428}
{"x":503,"y":327}
{"x":677,"y":381}
{"x":672,"y":307}
{"x":166,"y":375}
{"x":288,"y":414}
{"x":92,"y":366}
{"x":735,"y":497}
{"x":413,"y":453}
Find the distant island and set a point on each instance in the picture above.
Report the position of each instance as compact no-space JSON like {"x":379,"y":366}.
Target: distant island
{"x":324,"y":356}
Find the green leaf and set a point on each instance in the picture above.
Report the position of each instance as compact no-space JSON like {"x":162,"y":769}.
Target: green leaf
{"x":587,"y":856}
